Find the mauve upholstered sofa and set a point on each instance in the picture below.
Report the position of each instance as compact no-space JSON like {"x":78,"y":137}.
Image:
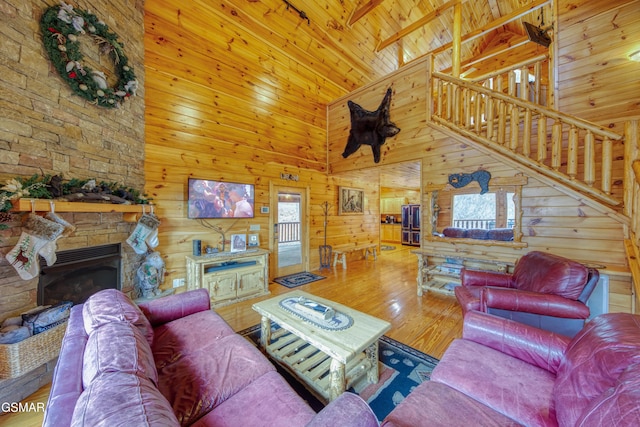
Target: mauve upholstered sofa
{"x":504,"y":373}
{"x":170,"y":362}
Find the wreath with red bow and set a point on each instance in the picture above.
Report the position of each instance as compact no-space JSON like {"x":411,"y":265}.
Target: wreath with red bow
{"x":61,"y":28}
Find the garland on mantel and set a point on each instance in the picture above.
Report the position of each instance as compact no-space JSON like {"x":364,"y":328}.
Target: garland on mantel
{"x":50,"y":187}
{"x":61,"y":28}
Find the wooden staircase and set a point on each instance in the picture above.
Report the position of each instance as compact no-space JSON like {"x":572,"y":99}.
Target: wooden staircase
{"x":564,"y":151}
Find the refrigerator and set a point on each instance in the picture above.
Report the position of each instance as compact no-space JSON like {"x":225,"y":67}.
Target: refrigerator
{"x":411,"y":225}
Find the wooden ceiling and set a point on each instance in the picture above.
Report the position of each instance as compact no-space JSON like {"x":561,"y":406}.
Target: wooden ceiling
{"x":385,"y":34}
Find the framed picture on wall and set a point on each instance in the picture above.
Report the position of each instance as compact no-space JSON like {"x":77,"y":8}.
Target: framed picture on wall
{"x":350,"y":201}
{"x":238,"y":242}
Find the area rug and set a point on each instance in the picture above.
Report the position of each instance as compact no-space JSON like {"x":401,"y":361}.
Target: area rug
{"x":402,"y":369}
{"x":387,"y":248}
{"x":298,"y":279}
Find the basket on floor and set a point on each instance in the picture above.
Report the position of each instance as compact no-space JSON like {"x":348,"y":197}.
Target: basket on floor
{"x":24,"y":356}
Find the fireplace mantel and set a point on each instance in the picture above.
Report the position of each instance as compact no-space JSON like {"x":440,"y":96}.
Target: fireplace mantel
{"x":44,"y":205}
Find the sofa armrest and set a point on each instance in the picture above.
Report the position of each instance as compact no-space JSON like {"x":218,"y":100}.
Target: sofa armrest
{"x":532,"y":345}
{"x":485,"y":278}
{"x":347,"y":410}
{"x":66,"y":384}
{"x":172,"y":307}
{"x":533,"y":302}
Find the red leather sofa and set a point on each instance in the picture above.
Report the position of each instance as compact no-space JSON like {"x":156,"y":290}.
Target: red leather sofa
{"x":505,"y":373}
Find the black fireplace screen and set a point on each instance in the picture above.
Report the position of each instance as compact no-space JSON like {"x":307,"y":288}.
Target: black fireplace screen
{"x":79,"y":273}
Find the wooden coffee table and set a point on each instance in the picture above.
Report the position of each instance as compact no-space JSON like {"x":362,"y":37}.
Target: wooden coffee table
{"x":327,"y":361}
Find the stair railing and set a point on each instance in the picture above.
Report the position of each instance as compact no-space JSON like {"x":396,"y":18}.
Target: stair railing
{"x":566,"y":148}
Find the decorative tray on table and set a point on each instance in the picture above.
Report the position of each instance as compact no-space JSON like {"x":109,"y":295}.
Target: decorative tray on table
{"x":319,"y":314}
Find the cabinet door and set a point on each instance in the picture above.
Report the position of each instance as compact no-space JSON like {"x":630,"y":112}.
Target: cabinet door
{"x":221,"y":286}
{"x":250,"y":282}
{"x":384,"y":231}
{"x":397,"y":234}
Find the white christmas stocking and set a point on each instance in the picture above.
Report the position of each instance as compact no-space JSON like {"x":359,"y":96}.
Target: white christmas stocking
{"x":145,"y":227}
{"x":36,"y":233}
{"x":48,"y":251}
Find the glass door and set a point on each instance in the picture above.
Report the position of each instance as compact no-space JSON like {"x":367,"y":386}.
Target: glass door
{"x":289,"y":237}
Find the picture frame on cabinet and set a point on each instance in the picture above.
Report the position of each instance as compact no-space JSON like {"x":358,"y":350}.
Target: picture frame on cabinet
{"x":254,"y":240}
{"x":238,"y":242}
{"x":350,"y":201}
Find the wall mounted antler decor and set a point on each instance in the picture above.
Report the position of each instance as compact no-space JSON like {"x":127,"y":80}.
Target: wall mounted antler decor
{"x":370,"y":127}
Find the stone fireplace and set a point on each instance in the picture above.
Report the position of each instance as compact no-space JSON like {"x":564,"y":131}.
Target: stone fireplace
{"x":79,"y":273}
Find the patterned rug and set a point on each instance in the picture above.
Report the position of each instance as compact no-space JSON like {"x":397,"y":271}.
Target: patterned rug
{"x":402,"y":369}
{"x":298,"y":279}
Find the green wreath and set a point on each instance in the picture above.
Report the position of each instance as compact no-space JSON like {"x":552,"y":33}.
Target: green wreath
{"x":61,"y":26}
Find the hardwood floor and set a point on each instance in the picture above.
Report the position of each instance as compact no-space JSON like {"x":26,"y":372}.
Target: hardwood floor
{"x":385,"y":288}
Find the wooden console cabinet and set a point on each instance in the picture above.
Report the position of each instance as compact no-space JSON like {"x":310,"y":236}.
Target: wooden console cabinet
{"x":230,"y":276}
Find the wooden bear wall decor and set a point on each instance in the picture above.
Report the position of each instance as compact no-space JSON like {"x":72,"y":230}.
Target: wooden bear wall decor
{"x":459,"y":180}
{"x":370,"y":127}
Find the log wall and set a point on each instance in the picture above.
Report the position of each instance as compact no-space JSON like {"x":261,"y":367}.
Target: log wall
{"x":228,"y":99}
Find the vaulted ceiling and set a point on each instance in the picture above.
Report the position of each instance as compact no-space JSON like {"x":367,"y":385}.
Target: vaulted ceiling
{"x":377,"y":37}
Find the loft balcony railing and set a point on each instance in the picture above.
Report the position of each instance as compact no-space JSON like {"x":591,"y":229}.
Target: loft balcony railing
{"x":527,"y":80}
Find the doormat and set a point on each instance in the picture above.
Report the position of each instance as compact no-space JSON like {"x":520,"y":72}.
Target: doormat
{"x":387,"y":248}
{"x":402,"y":369}
{"x":298,"y":279}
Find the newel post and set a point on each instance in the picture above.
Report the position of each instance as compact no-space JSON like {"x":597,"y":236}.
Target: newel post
{"x":632,"y":172}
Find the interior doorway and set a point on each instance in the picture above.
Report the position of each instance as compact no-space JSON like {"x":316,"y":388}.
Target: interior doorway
{"x":290,"y":230}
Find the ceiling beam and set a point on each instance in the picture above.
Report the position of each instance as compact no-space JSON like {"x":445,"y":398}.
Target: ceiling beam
{"x":364,"y":9}
{"x":416,"y":25}
{"x":512,"y":44}
{"x":516,"y":14}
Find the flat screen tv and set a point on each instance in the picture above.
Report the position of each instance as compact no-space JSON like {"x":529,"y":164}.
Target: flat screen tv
{"x":219,"y":199}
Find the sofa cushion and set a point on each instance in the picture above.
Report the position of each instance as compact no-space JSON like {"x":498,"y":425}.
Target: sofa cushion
{"x":121,"y":399}
{"x":173,"y":339}
{"x":438,"y":405}
{"x":477,"y":233}
{"x":517,"y":389}
{"x":111,"y":305}
{"x":117,"y":347}
{"x":172,"y":307}
{"x":502,"y":234}
{"x":266,"y":401}
{"x":550,"y":274}
{"x":594,"y":362}
{"x":454,"y":232}
{"x":208,"y":372}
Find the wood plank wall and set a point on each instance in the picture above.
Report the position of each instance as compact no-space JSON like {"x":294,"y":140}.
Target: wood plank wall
{"x":596,"y":79}
{"x":229,"y":98}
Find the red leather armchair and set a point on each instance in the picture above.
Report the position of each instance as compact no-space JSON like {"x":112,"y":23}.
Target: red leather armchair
{"x":545,"y":290}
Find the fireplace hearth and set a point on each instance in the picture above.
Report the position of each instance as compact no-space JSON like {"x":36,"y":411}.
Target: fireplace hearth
{"x":79,"y":273}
